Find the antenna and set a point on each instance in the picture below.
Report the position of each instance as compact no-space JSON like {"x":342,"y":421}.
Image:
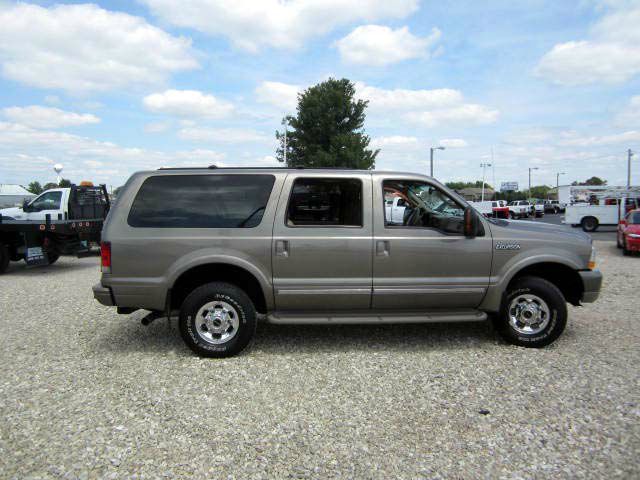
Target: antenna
{"x":58,"y":169}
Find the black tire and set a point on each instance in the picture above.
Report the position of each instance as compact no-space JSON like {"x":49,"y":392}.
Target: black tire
{"x":589,"y":224}
{"x":211,"y":293}
{"x":555,"y":302}
{"x":625,"y":250}
{"x":4,"y":258}
{"x":512,"y":215}
{"x":618,"y":244}
{"x":53,"y":257}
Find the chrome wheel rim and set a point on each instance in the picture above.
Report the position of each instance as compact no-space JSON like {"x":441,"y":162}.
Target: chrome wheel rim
{"x":217,"y":322}
{"x":529,"y":314}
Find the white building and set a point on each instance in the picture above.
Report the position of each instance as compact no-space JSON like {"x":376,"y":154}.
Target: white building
{"x":12,"y":195}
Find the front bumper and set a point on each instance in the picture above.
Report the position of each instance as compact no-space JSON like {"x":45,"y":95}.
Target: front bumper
{"x":103,"y":295}
{"x":633,"y":244}
{"x":592,"y":281}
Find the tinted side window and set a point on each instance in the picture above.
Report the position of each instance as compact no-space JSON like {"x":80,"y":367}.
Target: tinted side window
{"x":201,"y":201}
{"x":325,"y":201}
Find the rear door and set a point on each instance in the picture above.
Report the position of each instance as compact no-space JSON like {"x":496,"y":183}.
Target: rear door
{"x":322,"y":242}
{"x":426,"y":262}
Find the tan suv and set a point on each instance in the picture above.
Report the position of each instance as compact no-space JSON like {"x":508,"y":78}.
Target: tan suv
{"x":224,"y":247}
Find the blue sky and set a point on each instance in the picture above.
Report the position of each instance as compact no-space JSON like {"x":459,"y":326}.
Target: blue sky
{"x":110,"y":88}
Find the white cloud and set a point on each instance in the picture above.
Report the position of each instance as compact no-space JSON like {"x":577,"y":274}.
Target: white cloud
{"x":610,"y":55}
{"x":453,"y":143}
{"x":82,"y":48}
{"x":24,"y":150}
{"x":575,"y":140}
{"x":630,"y":116}
{"x":254,"y":24}
{"x":47,"y":117}
{"x":378,"y":45}
{"x":157,"y":127}
{"x":187,"y":103}
{"x":428,"y":108}
{"x":394,"y":141}
{"x":221,"y":135}
{"x":278,"y":94}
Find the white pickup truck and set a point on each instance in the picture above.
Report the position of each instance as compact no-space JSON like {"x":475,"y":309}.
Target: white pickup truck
{"x":394,"y":210}
{"x":590,"y":217}
{"x":519,"y":209}
{"x":60,"y":221}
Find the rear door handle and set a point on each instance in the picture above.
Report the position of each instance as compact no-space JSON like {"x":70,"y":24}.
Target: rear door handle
{"x":383,"y":248}
{"x":282,"y":248}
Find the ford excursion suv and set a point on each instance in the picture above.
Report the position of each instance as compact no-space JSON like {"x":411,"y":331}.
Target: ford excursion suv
{"x":226,"y":247}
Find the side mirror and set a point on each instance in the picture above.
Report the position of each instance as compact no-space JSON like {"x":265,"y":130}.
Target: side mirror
{"x":25,"y":205}
{"x":470,"y":222}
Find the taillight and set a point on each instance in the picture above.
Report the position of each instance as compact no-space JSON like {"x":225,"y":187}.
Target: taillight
{"x":105,"y":257}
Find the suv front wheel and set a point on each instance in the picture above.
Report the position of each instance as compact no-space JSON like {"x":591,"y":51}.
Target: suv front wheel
{"x":217,"y":320}
{"x":533,"y":313}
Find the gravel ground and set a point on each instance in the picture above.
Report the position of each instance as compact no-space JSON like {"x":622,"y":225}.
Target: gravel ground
{"x":85,"y":393}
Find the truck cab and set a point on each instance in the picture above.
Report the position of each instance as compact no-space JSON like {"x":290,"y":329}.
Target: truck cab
{"x":54,"y":202}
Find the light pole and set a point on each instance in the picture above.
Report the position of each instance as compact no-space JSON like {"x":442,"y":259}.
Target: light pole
{"x":558,"y":179}
{"x":629,"y":155}
{"x":432,"y":149}
{"x":531,"y":168}
{"x":483,"y":165}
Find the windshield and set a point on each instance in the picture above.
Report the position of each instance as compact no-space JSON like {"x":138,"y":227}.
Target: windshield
{"x":634,"y":218}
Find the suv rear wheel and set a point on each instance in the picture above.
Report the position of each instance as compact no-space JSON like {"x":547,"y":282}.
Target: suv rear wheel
{"x":533,"y":313}
{"x":217,"y":320}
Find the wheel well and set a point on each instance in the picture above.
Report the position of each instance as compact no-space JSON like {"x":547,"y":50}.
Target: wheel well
{"x":196,"y":276}
{"x":565,"y":278}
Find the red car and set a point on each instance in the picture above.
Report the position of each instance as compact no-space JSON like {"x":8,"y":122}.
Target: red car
{"x":629,"y":232}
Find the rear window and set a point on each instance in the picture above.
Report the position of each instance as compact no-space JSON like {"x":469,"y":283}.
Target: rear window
{"x":201,"y":201}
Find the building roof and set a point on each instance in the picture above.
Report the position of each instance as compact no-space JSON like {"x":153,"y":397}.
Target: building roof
{"x":9,"y":189}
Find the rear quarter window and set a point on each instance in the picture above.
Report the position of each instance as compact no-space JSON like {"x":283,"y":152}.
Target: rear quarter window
{"x":201,"y":201}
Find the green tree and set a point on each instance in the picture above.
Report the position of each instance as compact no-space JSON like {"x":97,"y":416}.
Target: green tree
{"x":328,"y":130}
{"x":64,"y":183}
{"x":539,"y":191}
{"x":50,"y":185}
{"x":35,"y":188}
{"x":593,"y":181}
{"x":461,"y":185}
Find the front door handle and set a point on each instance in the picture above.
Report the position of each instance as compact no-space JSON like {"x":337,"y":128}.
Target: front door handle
{"x":383,"y":248}
{"x":282,"y":248}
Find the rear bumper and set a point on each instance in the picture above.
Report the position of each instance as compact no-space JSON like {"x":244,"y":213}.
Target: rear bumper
{"x":103,"y":295}
{"x":592,"y":281}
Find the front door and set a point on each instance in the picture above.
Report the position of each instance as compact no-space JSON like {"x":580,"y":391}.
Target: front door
{"x":423,"y":260}
{"x":322,"y":243}
{"x":47,"y":203}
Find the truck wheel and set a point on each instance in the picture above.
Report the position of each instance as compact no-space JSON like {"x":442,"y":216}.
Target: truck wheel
{"x":53,"y":257}
{"x":217,"y":320}
{"x":533,"y":313}
{"x":4,"y":258}
{"x":589,"y":224}
{"x":512,"y":215}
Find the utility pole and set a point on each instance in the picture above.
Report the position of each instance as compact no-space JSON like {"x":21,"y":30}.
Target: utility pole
{"x":531,"y":168}
{"x":431,"y":161}
{"x":558,"y":179}
{"x":629,"y":155}
{"x":483,"y":165}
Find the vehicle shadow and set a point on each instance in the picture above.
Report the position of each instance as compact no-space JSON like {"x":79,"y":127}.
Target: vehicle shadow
{"x":62,"y":266}
{"x":131,"y":336}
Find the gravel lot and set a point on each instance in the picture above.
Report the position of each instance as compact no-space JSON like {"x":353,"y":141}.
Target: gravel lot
{"x":85,"y":393}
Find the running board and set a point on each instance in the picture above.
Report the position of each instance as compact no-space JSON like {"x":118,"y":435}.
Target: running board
{"x":337,"y":318}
